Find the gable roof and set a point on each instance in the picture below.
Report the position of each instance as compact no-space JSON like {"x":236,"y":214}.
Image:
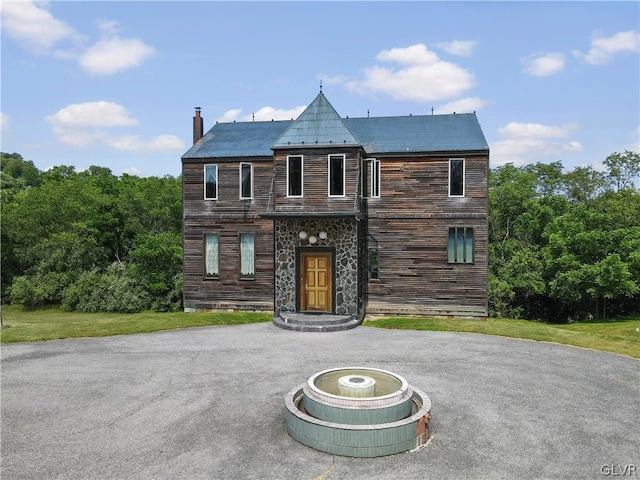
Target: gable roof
{"x":320,"y":122}
{"x":319,"y":125}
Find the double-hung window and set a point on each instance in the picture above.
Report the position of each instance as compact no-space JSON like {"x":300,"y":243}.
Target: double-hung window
{"x":456,"y":177}
{"x":211,"y":182}
{"x":246,"y":248}
{"x":294,"y":176}
{"x":211,"y":256}
{"x":460,"y":245}
{"x":375,"y":178}
{"x":336,"y":176}
{"x":246,"y":181}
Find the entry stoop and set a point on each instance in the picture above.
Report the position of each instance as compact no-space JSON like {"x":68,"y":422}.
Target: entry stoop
{"x":322,"y":322}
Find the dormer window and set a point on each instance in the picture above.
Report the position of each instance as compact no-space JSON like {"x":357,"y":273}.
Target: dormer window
{"x":294,"y":176}
{"x":336,"y":176}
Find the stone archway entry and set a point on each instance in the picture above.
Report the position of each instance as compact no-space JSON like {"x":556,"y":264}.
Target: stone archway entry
{"x":316,"y":282}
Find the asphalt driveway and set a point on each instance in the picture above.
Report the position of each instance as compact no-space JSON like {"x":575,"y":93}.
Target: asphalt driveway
{"x":208,"y":403}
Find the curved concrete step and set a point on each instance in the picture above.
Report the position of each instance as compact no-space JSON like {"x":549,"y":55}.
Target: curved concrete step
{"x":315,"y":322}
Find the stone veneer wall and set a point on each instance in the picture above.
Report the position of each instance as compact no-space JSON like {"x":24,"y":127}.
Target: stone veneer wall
{"x":342,"y":234}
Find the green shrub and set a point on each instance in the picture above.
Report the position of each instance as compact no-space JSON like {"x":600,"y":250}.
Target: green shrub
{"x":110,"y":291}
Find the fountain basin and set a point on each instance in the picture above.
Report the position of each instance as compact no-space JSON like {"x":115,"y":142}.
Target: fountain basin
{"x":393,"y":420}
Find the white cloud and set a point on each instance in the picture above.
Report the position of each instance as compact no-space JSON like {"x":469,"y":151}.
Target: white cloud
{"x":543,"y":65}
{"x":85,"y":124}
{"x":422,"y":76}
{"x":230,"y":115}
{"x":270,"y":113}
{"x":532,"y":142}
{"x":109,"y":27}
{"x":469,"y":104}
{"x":34,"y":26}
{"x":113,"y":55}
{"x":92,"y":114}
{"x":603,"y":49}
{"x":460,"y":48}
{"x":4,"y":121}
{"x":265,"y":114}
{"x":133,"y":143}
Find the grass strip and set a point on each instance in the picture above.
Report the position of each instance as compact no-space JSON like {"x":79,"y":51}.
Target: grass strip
{"x":54,"y":324}
{"x":617,"y":336}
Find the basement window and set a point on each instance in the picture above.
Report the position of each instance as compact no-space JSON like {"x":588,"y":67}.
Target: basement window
{"x":460,"y":245}
{"x":336,"y":175}
{"x":294,"y":176}
{"x":211,"y":182}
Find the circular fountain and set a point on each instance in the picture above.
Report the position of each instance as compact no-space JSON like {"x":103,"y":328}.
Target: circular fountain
{"x":358,"y":412}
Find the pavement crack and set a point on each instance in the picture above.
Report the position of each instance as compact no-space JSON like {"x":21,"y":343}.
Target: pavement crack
{"x":326,"y":474}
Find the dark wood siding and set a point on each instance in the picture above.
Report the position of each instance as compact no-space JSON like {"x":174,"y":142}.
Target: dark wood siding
{"x":414,"y":276}
{"x":420,"y":187}
{"x":409,"y":223}
{"x":228,"y":216}
{"x":315,"y":189}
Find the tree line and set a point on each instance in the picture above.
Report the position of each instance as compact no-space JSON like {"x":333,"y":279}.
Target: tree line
{"x":563,"y":246}
{"x":90,"y":241}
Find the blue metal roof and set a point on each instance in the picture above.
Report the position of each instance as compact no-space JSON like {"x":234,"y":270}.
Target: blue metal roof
{"x":419,"y":133}
{"x":377,"y":135}
{"x":319,"y":125}
{"x":238,"y":139}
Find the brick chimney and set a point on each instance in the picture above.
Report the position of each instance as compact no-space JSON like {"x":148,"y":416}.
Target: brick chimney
{"x":198,"y":126}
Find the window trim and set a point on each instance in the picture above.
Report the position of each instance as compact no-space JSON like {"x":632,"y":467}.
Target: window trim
{"x":344,"y":175}
{"x":253,"y":260}
{"x":204,"y":256}
{"x":301,"y":157}
{"x":242,"y":164}
{"x":216,"y":180}
{"x":375,"y":172}
{"x":468,"y":258}
{"x":464,"y":175}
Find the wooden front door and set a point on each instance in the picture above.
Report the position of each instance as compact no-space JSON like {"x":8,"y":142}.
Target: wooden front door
{"x":316,"y":282}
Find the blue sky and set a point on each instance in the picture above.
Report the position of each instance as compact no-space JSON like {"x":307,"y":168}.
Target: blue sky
{"x":114,"y":84}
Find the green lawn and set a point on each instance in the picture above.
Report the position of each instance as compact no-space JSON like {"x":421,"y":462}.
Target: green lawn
{"x":54,"y":324}
{"x":618,"y":336}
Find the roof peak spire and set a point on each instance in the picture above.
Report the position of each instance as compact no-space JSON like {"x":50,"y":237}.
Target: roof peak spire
{"x":320,"y":85}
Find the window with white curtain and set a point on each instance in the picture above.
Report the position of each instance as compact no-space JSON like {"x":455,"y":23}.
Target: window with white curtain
{"x":211,"y":256}
{"x":247,"y":256}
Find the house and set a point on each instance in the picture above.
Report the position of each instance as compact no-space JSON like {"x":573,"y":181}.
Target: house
{"x":341,"y":216}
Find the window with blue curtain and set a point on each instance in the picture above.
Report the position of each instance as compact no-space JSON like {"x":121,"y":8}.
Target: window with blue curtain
{"x":247,"y":256}
{"x":460,"y":245}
